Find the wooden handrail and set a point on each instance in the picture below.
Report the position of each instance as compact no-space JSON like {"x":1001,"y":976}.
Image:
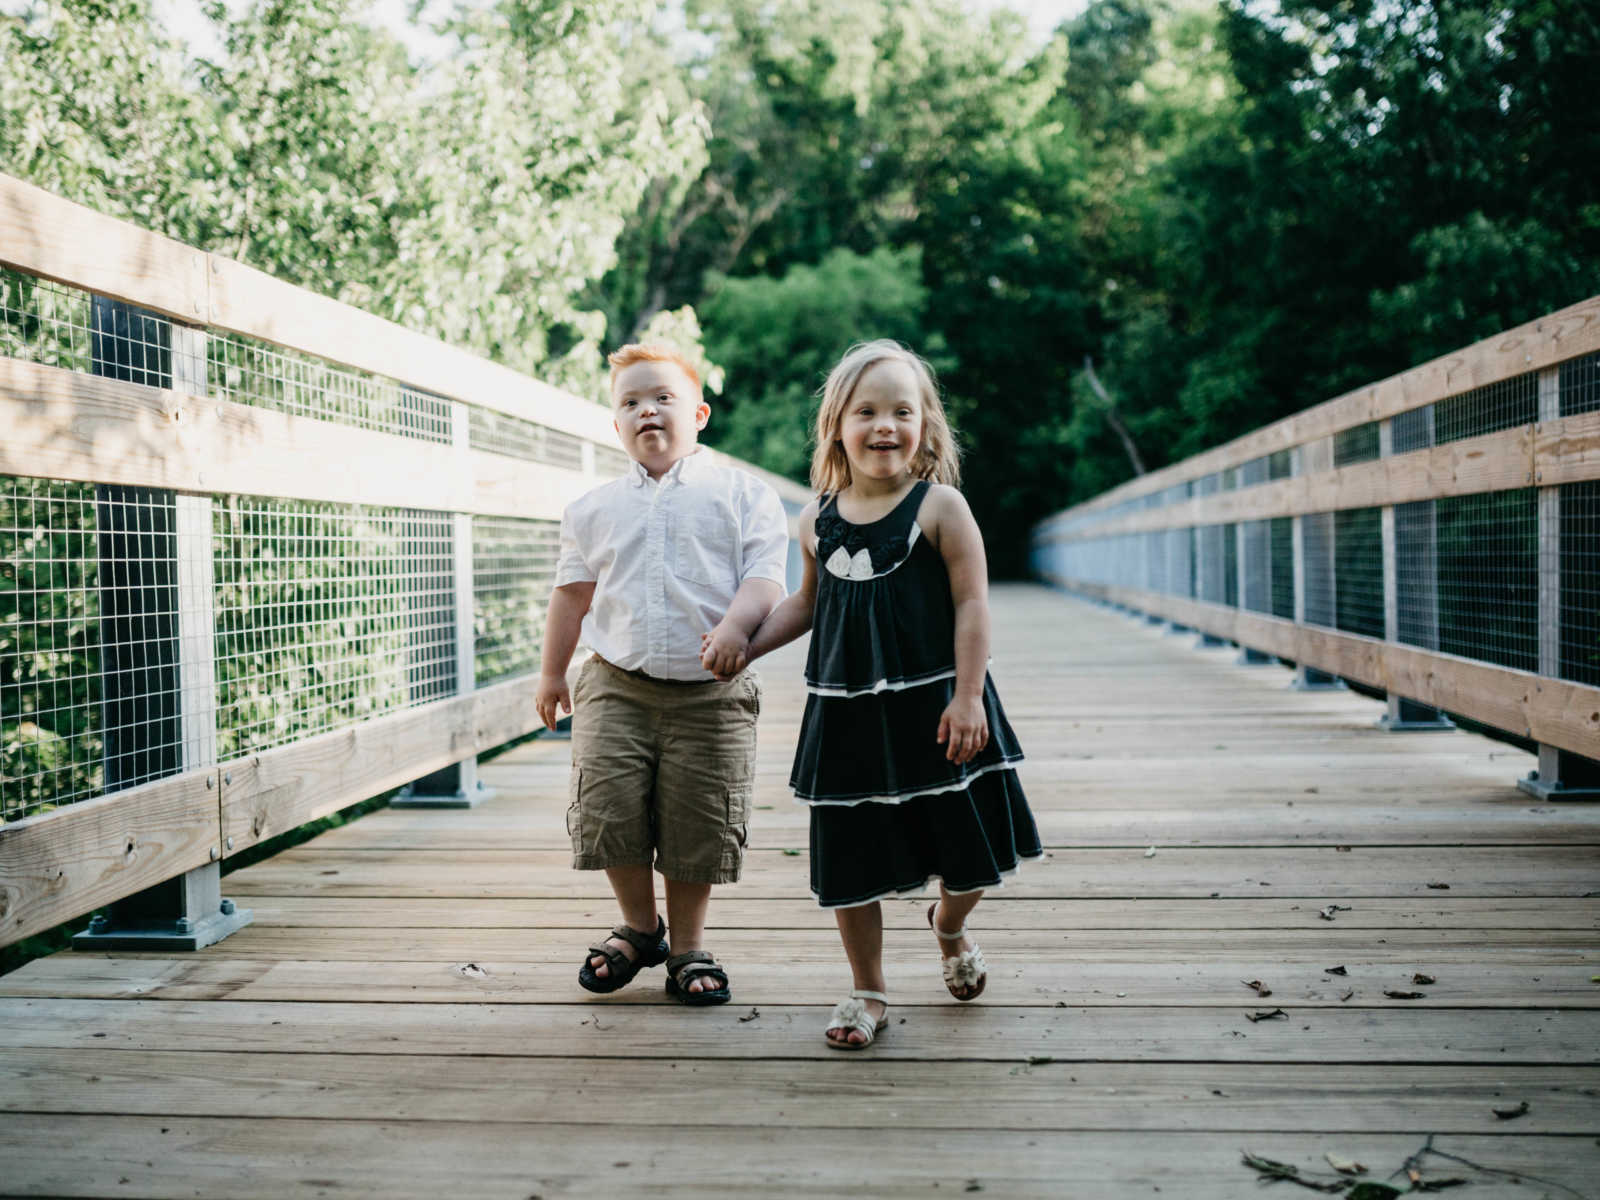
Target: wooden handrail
{"x":1568,"y":333}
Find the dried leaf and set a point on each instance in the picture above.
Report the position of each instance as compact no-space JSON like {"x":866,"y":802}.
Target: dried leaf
{"x":1345,"y":1166}
{"x":1371,"y":1189}
{"x":1422,"y":979}
{"x":1440,"y":887}
{"x":753,"y":1015}
{"x":1270,"y":1169}
{"x":1339,"y":970}
{"x":1261,"y":1015}
{"x":1397,"y":995}
{"x":1511,"y":1114}
{"x":1327,"y":912}
{"x":1150,"y":853}
{"x":1257,"y":986}
{"x":1347,"y":995}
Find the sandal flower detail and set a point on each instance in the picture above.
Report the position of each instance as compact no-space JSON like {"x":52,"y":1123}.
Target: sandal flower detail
{"x":851,"y":1015}
{"x":965,"y":974}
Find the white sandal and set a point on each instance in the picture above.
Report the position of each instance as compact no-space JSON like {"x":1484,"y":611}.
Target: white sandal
{"x":852,"y":1014}
{"x":965,"y":974}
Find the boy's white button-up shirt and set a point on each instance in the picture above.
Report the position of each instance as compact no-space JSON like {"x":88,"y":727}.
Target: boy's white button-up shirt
{"x":666,"y":558}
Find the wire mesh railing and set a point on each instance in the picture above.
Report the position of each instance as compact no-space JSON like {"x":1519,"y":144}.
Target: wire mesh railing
{"x":1436,"y":538}
{"x":261,"y":555}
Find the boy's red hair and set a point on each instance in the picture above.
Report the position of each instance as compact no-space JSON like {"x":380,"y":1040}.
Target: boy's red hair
{"x":637,"y":352}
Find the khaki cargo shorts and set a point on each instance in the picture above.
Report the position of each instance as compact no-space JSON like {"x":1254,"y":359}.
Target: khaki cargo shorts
{"x":662,"y":772}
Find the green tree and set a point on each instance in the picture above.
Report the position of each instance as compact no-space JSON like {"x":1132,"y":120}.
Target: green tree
{"x":777,"y":339}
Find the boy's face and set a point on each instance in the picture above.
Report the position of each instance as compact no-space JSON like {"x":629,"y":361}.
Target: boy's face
{"x":658,"y":413}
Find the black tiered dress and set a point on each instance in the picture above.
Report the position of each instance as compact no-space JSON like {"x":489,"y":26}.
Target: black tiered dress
{"x":888,"y":811}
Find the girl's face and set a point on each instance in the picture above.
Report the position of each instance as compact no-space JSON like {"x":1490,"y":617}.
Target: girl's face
{"x":882,"y":425}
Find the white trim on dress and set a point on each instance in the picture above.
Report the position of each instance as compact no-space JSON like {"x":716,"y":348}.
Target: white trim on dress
{"x":921,"y":888}
{"x":1005,"y":764}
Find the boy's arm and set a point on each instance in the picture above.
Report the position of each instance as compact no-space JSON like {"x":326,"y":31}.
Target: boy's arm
{"x":568,"y":604}
{"x":763,"y":555}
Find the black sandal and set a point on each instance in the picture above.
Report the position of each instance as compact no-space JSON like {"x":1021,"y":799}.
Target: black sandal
{"x":684,"y":969}
{"x":651,"y":952}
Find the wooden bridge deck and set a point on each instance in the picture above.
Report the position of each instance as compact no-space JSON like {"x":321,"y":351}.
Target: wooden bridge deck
{"x":403,"y":1019}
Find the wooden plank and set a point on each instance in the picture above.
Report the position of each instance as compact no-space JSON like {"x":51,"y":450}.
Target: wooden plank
{"x":784,"y":823}
{"x":1315,"y":941}
{"x":87,"y":1155}
{"x":1053,"y":1096}
{"x":1039,"y":981}
{"x":1491,"y":462}
{"x":732,"y":911}
{"x":1567,"y":450}
{"x":1566,"y":333}
{"x":935,"y":1033}
{"x":1320,"y":874}
{"x":1553,"y":711}
{"x":45,"y":235}
{"x":58,"y":865}
{"x":63,"y":424}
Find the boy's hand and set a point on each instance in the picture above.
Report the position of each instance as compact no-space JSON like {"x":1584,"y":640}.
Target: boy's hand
{"x":724,"y":652}
{"x":963,"y":729}
{"x":552,"y":692}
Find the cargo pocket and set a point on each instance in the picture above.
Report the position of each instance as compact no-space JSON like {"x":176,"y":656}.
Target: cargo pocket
{"x":574,"y":814}
{"x":738,"y":829}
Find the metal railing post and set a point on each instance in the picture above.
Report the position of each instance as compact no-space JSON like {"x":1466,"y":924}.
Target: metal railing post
{"x":1561,"y":775}
{"x":1309,"y":679}
{"x":1400,"y":714}
{"x":162,"y":721}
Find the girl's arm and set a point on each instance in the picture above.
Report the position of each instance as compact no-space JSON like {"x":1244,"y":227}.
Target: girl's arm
{"x":963,"y":727}
{"x":792,"y":617}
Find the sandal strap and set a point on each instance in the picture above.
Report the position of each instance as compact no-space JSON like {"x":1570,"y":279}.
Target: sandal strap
{"x":863,"y":994}
{"x":692,"y":964}
{"x":615,"y":958}
{"x":940,"y":933}
{"x":641,"y":941}
{"x":853,"y":1014}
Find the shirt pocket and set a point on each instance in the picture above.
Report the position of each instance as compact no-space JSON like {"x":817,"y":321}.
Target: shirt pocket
{"x":705,"y":550}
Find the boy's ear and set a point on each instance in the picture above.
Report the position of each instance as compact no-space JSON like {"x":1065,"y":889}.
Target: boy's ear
{"x":702,"y":414}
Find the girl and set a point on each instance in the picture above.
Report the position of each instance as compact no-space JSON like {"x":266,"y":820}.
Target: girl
{"x":905,"y":755}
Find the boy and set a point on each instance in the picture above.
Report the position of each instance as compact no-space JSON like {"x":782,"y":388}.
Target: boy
{"x":662,"y":750}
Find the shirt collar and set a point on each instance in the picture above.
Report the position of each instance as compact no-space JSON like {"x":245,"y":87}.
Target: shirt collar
{"x":682,"y":470}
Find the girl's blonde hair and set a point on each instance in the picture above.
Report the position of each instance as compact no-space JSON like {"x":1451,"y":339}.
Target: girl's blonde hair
{"x":937,"y":458}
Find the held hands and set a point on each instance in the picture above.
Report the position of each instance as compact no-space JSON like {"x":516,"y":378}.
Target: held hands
{"x":724,"y":652}
{"x":552,"y":693}
{"x":963,"y":729}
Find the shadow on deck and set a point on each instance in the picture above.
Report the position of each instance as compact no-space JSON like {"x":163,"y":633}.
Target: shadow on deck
{"x":403,"y":1017}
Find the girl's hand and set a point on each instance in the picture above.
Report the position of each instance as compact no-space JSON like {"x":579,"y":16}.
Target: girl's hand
{"x":724,"y":652}
{"x":963,"y":729}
